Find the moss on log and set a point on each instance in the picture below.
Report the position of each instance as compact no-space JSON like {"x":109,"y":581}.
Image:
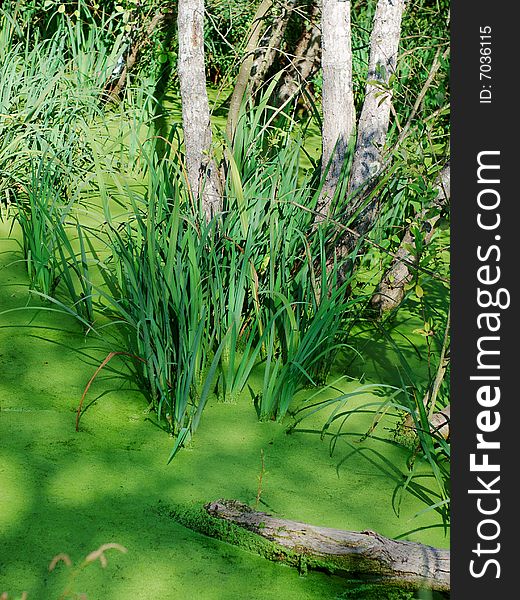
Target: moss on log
{"x":374,"y":566}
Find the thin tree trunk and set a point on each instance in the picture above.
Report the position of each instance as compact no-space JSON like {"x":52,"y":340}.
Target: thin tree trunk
{"x":266,"y":57}
{"x":375,"y":115}
{"x":306,"y":58}
{"x":404,"y":564}
{"x":373,"y":123}
{"x":135,"y":48}
{"x":245,"y":68}
{"x":339,"y":117}
{"x":391,"y":289}
{"x":203,"y":175}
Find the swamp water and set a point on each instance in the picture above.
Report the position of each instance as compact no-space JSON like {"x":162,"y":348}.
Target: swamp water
{"x":62,"y":491}
{"x":68,"y":492}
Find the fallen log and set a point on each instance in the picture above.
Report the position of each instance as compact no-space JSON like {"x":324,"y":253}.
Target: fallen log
{"x":407,"y":565}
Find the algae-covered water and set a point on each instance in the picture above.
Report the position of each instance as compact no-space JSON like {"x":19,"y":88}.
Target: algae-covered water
{"x":68,"y":492}
{"x":63,"y":491}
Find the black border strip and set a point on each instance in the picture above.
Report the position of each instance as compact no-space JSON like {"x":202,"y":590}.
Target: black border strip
{"x":484,"y":127}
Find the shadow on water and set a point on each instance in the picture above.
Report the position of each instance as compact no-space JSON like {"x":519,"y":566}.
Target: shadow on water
{"x":378,"y":344}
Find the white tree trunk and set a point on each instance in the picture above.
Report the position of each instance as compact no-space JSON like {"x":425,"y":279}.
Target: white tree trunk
{"x":339,"y":118}
{"x":375,"y":115}
{"x":203,"y":176}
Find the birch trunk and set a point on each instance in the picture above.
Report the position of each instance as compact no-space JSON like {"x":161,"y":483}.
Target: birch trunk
{"x":339,"y":118}
{"x":373,"y":123}
{"x":203,"y":175}
{"x":375,"y":115}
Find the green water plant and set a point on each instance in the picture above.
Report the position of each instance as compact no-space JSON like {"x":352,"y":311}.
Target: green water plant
{"x":50,"y":91}
{"x":41,"y":220}
{"x":200,"y":305}
{"x":426,"y":472}
{"x":154,"y":287}
{"x":47,"y":224}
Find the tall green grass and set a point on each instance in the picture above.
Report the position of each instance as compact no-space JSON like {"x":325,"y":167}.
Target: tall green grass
{"x":196,"y":307}
{"x":50,"y":101}
{"x":50,"y":91}
{"x":155,"y":285}
{"x":199,"y":306}
{"x":53,"y":242}
{"x":41,"y":219}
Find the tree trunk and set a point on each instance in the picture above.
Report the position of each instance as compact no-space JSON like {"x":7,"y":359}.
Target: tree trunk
{"x":391,"y":289}
{"x":245,"y":68}
{"x":306,"y":58}
{"x":373,"y":124}
{"x":406,"y":565}
{"x":135,"y":48}
{"x":202,"y":172}
{"x":375,"y":115}
{"x":339,"y":117}
{"x":267,"y":55}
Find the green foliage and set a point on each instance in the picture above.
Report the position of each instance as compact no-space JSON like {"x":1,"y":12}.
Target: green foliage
{"x":199,"y":301}
{"x":50,"y":90}
{"x":47,"y":248}
{"x":300,"y":309}
{"x":41,"y":223}
{"x":226,"y":28}
{"x":155,"y":285}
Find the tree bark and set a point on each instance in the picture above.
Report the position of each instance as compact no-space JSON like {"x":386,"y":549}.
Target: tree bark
{"x":391,"y":289}
{"x":401,"y":564}
{"x":339,"y":117}
{"x":372,"y":127}
{"x":245,"y":68}
{"x":375,"y":115}
{"x":306,"y":58}
{"x":135,"y":48}
{"x":202,"y":172}
{"x":266,"y":58}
